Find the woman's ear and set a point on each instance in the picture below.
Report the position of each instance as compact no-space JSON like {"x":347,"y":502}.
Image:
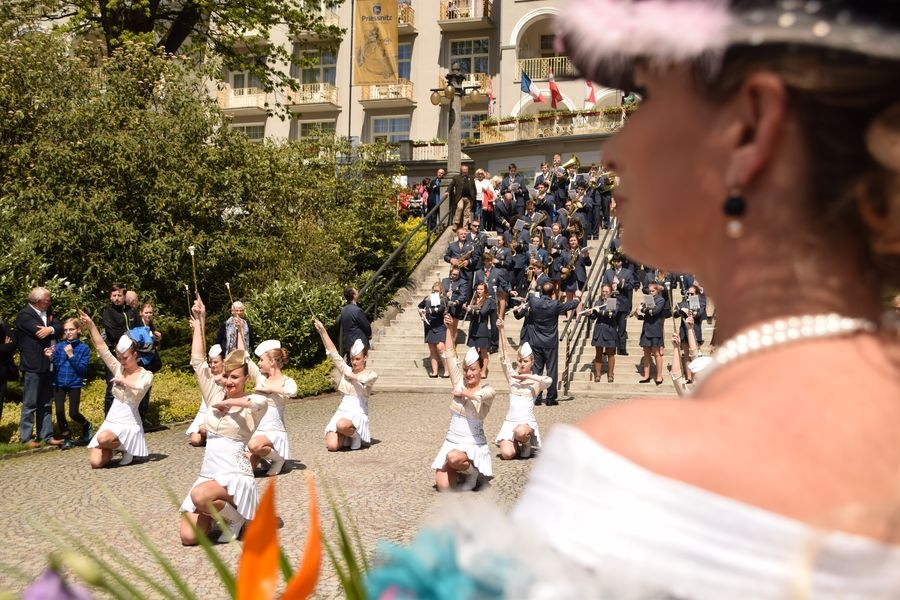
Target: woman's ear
{"x":759,"y":106}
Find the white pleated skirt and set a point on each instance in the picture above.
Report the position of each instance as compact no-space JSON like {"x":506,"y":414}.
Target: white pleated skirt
{"x":466,"y":435}
{"x":225,"y":462}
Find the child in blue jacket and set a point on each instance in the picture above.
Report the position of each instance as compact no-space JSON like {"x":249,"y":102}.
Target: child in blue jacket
{"x":70,"y":361}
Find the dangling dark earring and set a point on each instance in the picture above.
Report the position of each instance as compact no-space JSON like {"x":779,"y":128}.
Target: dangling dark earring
{"x":734,"y":209}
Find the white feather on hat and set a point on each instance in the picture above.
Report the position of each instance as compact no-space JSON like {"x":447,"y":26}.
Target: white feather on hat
{"x":525,"y":350}
{"x":471,"y":356}
{"x":215,"y":350}
{"x":357,"y":348}
{"x":125,"y":342}
{"x":266,"y":346}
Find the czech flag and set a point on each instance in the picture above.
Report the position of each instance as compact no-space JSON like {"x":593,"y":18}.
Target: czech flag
{"x":529,"y":88}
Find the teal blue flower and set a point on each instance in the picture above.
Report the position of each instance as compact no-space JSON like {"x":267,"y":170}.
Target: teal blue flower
{"x":429,"y":570}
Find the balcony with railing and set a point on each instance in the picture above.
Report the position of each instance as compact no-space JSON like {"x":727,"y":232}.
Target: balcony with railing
{"x":465,"y":15}
{"x":529,"y":127}
{"x":406,"y":19}
{"x":388,"y":95}
{"x":242,"y":101}
{"x":314,"y":97}
{"x":539,"y":68}
{"x":329,"y":18}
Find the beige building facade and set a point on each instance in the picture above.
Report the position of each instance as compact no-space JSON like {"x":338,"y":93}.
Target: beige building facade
{"x":493,"y":41}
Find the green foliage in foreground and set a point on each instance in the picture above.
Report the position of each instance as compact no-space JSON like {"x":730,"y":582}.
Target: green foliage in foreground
{"x":174,"y":398}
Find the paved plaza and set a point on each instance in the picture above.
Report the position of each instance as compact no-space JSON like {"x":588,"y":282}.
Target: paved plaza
{"x":387,"y":487}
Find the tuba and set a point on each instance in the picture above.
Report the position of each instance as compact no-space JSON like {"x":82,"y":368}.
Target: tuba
{"x":538,"y":220}
{"x":576,"y":227}
{"x":572,"y":162}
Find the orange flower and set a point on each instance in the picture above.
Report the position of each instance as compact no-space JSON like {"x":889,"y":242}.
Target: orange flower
{"x":304,"y":581}
{"x":258,"y":570}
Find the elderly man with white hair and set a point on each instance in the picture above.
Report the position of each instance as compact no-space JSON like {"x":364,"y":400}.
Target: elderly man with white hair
{"x":235,"y":325}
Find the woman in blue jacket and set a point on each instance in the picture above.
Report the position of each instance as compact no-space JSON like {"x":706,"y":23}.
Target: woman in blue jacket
{"x":653,"y":315}
{"x":70,"y":361}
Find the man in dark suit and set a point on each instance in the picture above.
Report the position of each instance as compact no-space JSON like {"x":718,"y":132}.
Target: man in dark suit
{"x":504,"y":213}
{"x":515,"y":184}
{"x":434,"y":197}
{"x":460,"y":254}
{"x":8,"y":369}
{"x":354,"y":323}
{"x":116,"y":319}
{"x":36,"y":330}
{"x":544,"y":336}
{"x":623,"y":282}
{"x":462,"y":193}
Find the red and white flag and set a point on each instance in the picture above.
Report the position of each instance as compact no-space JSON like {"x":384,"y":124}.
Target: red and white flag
{"x":589,"y":97}
{"x":490,"y":95}
{"x":555,"y":95}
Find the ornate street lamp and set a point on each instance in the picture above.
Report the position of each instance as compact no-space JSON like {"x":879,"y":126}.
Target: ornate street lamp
{"x":451,"y":97}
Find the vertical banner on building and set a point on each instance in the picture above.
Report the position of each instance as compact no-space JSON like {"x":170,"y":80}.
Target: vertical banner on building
{"x":375,"y":42}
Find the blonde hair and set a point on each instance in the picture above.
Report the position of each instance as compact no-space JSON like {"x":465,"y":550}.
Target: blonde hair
{"x":479,"y":172}
{"x":278,"y":355}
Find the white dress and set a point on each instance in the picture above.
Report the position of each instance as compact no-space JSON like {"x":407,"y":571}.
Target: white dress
{"x":592,"y":524}
{"x":123,"y":418}
{"x":355,"y":403}
{"x":272,"y":424}
{"x":466,"y":431}
{"x":210,"y":392}
{"x":225,"y":459}
{"x":521,"y":405}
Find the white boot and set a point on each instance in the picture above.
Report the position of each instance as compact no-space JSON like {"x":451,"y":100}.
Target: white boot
{"x":471,"y":479}
{"x":127,"y":457}
{"x":234,"y":520}
{"x":276,"y":462}
{"x":525,"y":449}
{"x":355,"y":441}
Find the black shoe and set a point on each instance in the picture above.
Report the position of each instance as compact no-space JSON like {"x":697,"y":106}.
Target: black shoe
{"x":538,"y":401}
{"x":659,"y":382}
{"x":552,"y":402}
{"x":644,"y":380}
{"x":622,"y":352}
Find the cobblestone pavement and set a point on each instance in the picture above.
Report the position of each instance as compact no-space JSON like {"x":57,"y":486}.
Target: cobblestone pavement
{"x":388,"y":488}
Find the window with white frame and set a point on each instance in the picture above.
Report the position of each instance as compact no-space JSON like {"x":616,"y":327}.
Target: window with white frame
{"x":469,"y":124}
{"x":390,"y":129}
{"x":404,"y":60}
{"x":472,"y":55}
{"x":242,"y":80}
{"x":324,"y":69}
{"x":314,"y":129}
{"x":254,"y":133}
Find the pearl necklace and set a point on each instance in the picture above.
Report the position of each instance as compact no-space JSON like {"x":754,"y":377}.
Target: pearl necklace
{"x":785,"y":331}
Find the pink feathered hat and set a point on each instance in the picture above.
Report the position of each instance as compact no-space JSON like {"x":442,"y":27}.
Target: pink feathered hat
{"x":604,"y":37}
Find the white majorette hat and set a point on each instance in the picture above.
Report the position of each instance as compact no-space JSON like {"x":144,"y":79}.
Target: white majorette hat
{"x":266,"y":346}
{"x":471,"y":356}
{"x":700,"y":363}
{"x":357,"y":348}
{"x":125,"y":342}
{"x":668,"y":32}
{"x":525,"y":350}
{"x":215,"y":350}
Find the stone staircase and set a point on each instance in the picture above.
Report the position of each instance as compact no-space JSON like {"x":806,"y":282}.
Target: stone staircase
{"x":400,"y":356}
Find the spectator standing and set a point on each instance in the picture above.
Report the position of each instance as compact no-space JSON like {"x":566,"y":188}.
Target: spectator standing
{"x":354,"y":323}
{"x":116,"y":319}
{"x":8,"y":369}
{"x":462,"y":192}
{"x":70,"y":362}
{"x":227,"y":335}
{"x":36,"y":332}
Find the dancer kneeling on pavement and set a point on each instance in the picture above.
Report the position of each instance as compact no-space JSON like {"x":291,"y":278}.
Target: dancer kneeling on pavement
{"x":122,"y":428}
{"x":209,"y":376}
{"x":270,"y":441}
{"x":465,"y":451}
{"x":226,"y":481}
{"x":350,"y":424}
{"x":519,"y":432}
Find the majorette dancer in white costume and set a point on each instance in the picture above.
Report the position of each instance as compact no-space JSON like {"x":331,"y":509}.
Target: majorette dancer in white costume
{"x":226,"y":478}
{"x":210,"y":386}
{"x":465,"y":450}
{"x":519,"y":432}
{"x":350,"y":424}
{"x":270,"y":441}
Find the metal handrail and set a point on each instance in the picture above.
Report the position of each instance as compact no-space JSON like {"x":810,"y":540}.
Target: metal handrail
{"x":431,"y":237}
{"x":580,"y":323}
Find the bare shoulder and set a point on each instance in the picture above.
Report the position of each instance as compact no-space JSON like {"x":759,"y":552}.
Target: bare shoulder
{"x":661,"y":434}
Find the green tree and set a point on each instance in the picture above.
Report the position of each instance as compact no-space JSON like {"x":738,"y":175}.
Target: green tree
{"x":236,"y":31}
{"x":100,"y":183}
